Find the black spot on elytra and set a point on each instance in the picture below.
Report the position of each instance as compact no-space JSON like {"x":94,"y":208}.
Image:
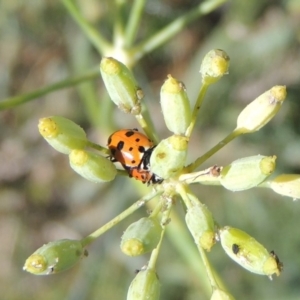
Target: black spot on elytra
{"x":130,"y":148}
{"x":120,"y":145}
{"x":129,"y":133}
{"x":141,"y":149}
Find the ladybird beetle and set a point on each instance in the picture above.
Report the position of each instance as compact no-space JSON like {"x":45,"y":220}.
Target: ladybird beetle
{"x":145,"y":176}
{"x":133,"y":150}
{"x":128,"y":146}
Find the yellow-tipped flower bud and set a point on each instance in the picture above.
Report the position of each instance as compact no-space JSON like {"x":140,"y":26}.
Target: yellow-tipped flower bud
{"x":145,"y":286}
{"x":62,"y":134}
{"x":201,"y":224}
{"x":141,"y":237}
{"x":55,"y":257}
{"x":214,"y":65}
{"x":249,"y":253}
{"x":260,"y":111}
{"x":247,"y":172}
{"x":91,"y":166}
{"x":121,"y":85}
{"x":168,"y":158}
{"x":221,"y":295}
{"x":175,"y":106}
{"x":287,"y":185}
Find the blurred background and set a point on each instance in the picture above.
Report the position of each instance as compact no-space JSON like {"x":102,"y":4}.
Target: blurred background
{"x":42,"y":199}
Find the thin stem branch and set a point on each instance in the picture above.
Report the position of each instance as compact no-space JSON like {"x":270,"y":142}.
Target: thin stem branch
{"x":98,"y":147}
{"x":199,"y":161}
{"x":183,"y":244}
{"x":96,"y":234}
{"x":165,"y":218}
{"x":119,"y":36}
{"x":209,"y":176}
{"x":101,"y":44}
{"x":133,"y":23}
{"x":174,"y":28}
{"x":182,"y":190}
{"x":149,"y":131}
{"x":208,"y":268}
{"x":21,"y":99}
{"x":196,"y":109}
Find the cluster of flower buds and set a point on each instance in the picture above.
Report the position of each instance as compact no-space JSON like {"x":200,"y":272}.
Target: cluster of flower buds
{"x":165,"y":161}
{"x":67,"y":137}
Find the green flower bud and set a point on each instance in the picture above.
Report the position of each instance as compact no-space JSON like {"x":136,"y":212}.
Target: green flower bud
{"x":91,"y":166}
{"x":260,"y":111}
{"x":62,"y":134}
{"x":287,"y":185}
{"x":141,"y":237}
{"x":249,"y":253}
{"x":175,"y":106}
{"x":214,"y":65}
{"x":201,"y":224}
{"x":168,"y":157}
{"x":221,"y":295}
{"x":55,"y":257}
{"x":247,"y":172}
{"x":121,"y":85}
{"x":145,"y":286}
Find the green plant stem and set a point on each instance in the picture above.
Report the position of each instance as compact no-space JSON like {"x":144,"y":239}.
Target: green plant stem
{"x":165,"y":218}
{"x":157,"y":210}
{"x":118,"y":36}
{"x":174,"y":28}
{"x":96,"y":234}
{"x":182,"y":242}
{"x":265,"y":184}
{"x":98,"y":147}
{"x":196,"y":109}
{"x":101,"y":44}
{"x":199,"y":161}
{"x":149,"y":131}
{"x":81,"y":58}
{"x":187,"y":196}
{"x":209,"y":176}
{"x":133,"y":23}
{"x":21,"y":99}
{"x":208,"y":268}
{"x":182,"y":191}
